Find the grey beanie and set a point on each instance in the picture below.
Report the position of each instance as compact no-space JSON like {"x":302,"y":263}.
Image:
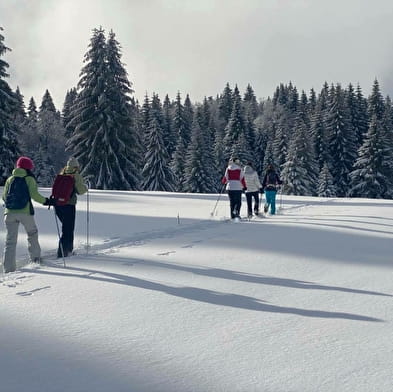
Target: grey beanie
{"x":72,"y":162}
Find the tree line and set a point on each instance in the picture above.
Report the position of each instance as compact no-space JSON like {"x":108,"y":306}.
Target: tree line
{"x":332,"y":143}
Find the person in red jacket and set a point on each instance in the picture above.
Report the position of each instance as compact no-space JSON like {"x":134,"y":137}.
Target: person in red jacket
{"x":235,"y":185}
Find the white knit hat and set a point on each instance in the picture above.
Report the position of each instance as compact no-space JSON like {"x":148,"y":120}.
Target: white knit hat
{"x":72,"y":162}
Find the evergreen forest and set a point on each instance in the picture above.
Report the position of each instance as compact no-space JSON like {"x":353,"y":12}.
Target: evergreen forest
{"x":330,"y":143}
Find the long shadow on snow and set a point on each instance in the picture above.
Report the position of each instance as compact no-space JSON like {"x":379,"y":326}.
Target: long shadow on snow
{"x":203,"y":295}
{"x":252,"y":278}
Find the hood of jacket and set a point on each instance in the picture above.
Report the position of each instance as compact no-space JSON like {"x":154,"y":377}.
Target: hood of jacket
{"x":248,"y":170}
{"x":19,"y":172}
{"x":233,"y":166}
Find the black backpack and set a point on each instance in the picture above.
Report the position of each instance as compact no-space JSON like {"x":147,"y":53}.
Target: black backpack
{"x":271,"y":178}
{"x":18,"y":194}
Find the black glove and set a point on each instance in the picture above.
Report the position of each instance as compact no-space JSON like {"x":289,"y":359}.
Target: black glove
{"x":50,"y":201}
{"x":244,"y":189}
{"x":261,"y":190}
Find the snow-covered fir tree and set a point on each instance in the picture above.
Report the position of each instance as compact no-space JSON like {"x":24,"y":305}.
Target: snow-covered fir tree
{"x":49,"y":155}
{"x":199,"y":176}
{"x":181,"y":128}
{"x":225,"y":105}
{"x":299,"y":174}
{"x":104,"y":139}
{"x":319,"y":137}
{"x":371,"y":175}
{"x":69,"y":102}
{"x":376,"y":105}
{"x":20,"y":113}
{"x":235,"y":132}
{"x":156,"y":174}
{"x":86,"y":119}
{"x":341,"y":140}
{"x":326,"y":187}
{"x":250,"y":103}
{"x":281,"y":132}
{"x":357,"y":109}
{"x":169,"y":139}
{"x":9,"y":149}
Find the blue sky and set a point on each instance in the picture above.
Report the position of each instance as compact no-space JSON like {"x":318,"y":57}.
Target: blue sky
{"x":196,"y":47}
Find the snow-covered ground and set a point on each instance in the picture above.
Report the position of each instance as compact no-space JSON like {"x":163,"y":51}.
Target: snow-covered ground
{"x":170,"y":299}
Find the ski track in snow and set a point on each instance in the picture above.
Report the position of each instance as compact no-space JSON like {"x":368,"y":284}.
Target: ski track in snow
{"x":110,"y":245}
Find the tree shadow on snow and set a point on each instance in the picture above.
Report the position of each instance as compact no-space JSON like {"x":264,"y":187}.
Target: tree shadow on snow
{"x":201,"y":295}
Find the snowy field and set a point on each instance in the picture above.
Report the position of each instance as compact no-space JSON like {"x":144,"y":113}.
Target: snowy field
{"x":170,"y":299}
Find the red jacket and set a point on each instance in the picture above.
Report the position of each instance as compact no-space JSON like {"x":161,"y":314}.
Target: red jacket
{"x":234,"y":178}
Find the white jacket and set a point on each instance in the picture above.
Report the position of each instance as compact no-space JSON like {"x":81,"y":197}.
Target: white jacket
{"x":234,"y":178}
{"x":252,"y":179}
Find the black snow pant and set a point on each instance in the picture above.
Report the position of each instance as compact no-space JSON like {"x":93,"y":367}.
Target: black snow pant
{"x":66,"y":215}
{"x":249,"y":197}
{"x":235,"y":202}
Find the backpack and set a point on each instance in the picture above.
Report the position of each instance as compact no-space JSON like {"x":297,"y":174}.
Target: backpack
{"x":63,"y":188}
{"x":18,"y":194}
{"x":271,"y":178}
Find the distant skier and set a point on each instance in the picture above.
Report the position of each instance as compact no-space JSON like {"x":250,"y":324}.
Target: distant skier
{"x":270,"y":186}
{"x":253,"y":188}
{"x":235,"y":185}
{"x":19,"y":189}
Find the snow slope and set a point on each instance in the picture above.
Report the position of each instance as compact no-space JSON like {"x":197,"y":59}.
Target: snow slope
{"x":170,"y":299}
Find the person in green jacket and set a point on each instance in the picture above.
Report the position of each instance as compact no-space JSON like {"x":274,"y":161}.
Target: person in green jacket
{"x":25,"y":215}
{"x":67,"y":213}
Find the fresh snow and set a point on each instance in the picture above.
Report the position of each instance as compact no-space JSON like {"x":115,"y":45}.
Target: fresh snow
{"x":171,"y":299}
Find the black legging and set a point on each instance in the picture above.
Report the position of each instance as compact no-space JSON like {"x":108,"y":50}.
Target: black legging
{"x":235,"y":202}
{"x":66,"y":214}
{"x":249,"y":197}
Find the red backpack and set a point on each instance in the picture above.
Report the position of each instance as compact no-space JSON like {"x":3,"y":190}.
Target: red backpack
{"x":63,"y":188}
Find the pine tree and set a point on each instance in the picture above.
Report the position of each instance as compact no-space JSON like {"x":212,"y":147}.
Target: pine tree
{"x":20,"y":114}
{"x":299,"y":174}
{"x":105,"y":138}
{"x":250,"y":103}
{"x":86,"y":120}
{"x":280,"y":141}
{"x":145,"y":121}
{"x":326,"y":187}
{"x":341,"y":141}
{"x":9,"y":149}
{"x":371,"y":175}
{"x":376,"y":105}
{"x":47,"y":103}
{"x":51,"y":147}
{"x":169,"y":139}
{"x":189,"y":116}
{"x":235,"y":132}
{"x":181,"y":130}
{"x":226,"y":104}
{"x":156,"y":174}
{"x":360,"y":119}
{"x":265,"y":125}
{"x":357,"y":114}
{"x":30,"y":138}
{"x":69,"y":102}
{"x":319,"y":137}
{"x":199,"y":177}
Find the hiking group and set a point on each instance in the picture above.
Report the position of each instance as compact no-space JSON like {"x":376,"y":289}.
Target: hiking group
{"x":238,"y":180}
{"x":19,"y":189}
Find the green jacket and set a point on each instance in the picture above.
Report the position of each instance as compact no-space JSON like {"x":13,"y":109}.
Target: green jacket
{"x":79,"y":188}
{"x":33,"y":190}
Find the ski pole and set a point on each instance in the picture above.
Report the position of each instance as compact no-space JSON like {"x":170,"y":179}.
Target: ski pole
{"x":218,"y":199}
{"x":280,"y":198}
{"x":87,"y":218}
{"x":60,"y":243}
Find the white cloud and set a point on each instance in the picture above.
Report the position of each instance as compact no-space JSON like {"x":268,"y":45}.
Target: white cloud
{"x":196,"y":47}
